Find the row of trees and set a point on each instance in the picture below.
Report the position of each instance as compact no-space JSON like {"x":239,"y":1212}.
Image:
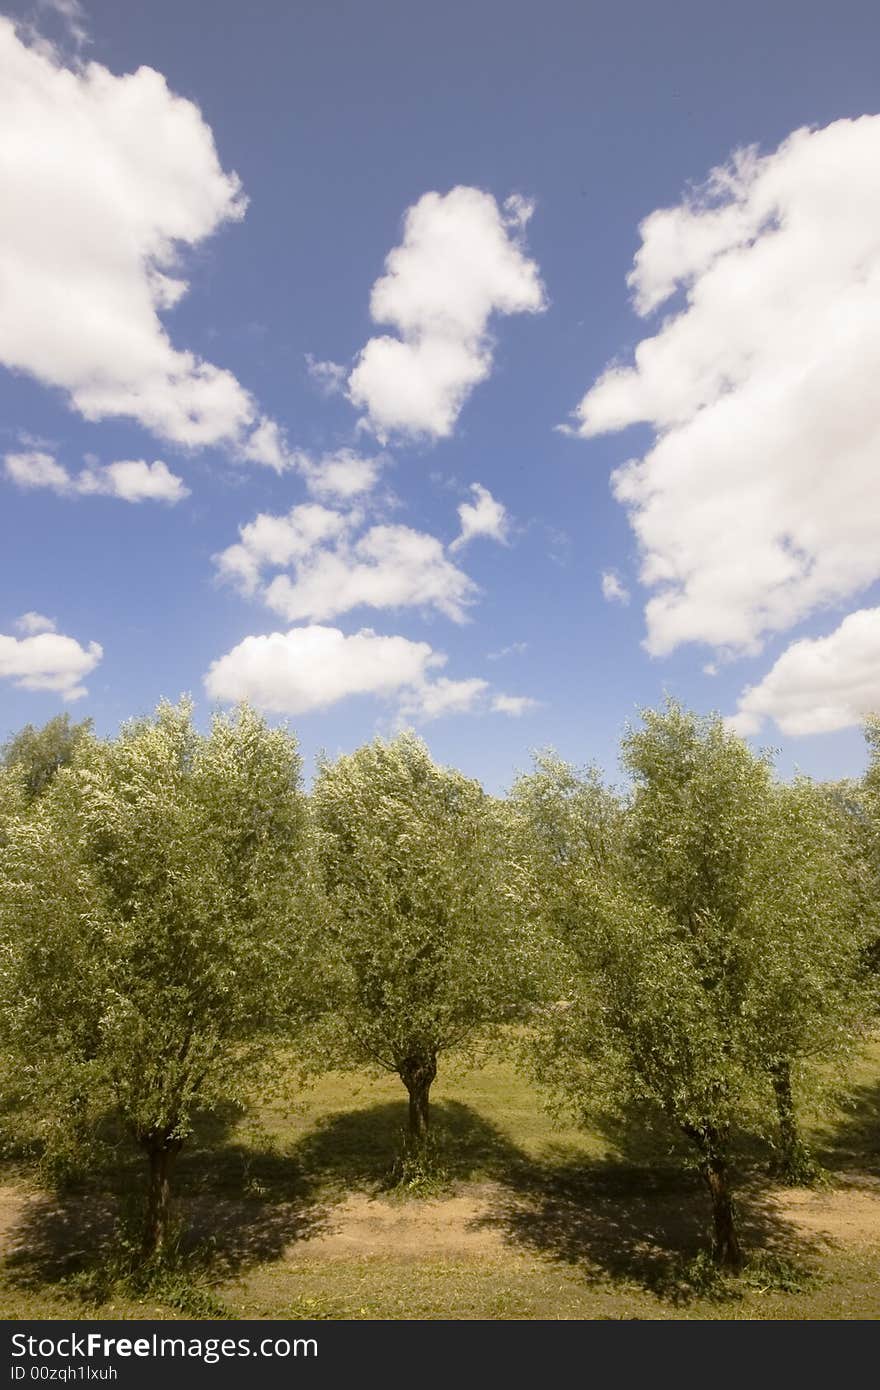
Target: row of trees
{"x":701,"y":948}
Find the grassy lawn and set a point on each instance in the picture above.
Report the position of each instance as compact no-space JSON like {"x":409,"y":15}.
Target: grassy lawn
{"x":288,"y":1214}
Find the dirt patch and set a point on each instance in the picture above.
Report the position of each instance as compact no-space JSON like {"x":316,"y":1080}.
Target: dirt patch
{"x":847,"y":1215}
{"x":13,"y":1205}
{"x":408,"y":1230}
{"x":463,"y":1226}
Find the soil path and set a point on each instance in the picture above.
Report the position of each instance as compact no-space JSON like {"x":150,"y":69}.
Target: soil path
{"x":460,"y":1226}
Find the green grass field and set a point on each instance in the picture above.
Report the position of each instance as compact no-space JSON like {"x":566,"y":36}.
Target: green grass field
{"x":288,"y":1213}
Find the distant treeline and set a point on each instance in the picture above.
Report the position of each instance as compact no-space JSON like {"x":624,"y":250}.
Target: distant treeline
{"x":700,"y":949}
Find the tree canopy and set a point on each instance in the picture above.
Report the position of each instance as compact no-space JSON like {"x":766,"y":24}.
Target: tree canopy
{"x":150,"y":926}
{"x":421,"y":917}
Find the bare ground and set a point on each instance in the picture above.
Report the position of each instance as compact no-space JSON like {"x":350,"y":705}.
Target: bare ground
{"x":474,"y":1223}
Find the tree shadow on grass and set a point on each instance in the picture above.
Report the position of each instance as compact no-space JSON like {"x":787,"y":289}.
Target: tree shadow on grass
{"x":638,"y":1217}
{"x":852,"y":1145}
{"x":356,"y":1149}
{"x":235,"y":1204}
{"x":59,"y":1240}
{"x":641,"y":1213}
{"x":644,"y":1226}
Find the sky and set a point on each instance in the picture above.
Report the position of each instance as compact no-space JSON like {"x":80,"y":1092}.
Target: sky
{"x":494,"y":369}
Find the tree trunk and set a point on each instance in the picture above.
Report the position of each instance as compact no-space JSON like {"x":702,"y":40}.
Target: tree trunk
{"x":417,"y":1073}
{"x":726,"y":1250}
{"x":795,"y":1164}
{"x":161,"y":1155}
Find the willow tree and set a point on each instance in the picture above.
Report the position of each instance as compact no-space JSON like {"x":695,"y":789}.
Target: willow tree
{"x":645,"y":1016}
{"x":36,"y":755}
{"x":678,"y":940}
{"x":423,"y":938}
{"x":702,"y":809}
{"x":813,"y":996}
{"x":151,"y":933}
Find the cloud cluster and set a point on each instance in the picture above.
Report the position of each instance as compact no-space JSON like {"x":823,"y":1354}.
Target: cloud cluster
{"x":341,"y":475}
{"x":310,"y":668}
{"x":106,"y":179}
{"x":758,"y":502}
{"x":819,"y":684}
{"x":461,"y":261}
{"x":45,"y":659}
{"x":485,"y":516}
{"x":335,"y":570}
{"x":130,"y":480}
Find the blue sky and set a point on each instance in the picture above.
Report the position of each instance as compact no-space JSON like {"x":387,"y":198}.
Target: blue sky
{"x":749,"y":523}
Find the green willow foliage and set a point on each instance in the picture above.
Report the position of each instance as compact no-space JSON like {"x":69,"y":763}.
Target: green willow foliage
{"x":38,"y":754}
{"x":701,"y":950}
{"x":709,"y":941}
{"x":151,"y":933}
{"x":422,"y":917}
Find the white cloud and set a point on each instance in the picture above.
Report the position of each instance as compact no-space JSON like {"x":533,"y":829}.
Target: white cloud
{"x":341,"y":475}
{"x":47,"y":661}
{"x":267,"y":444}
{"x":329,"y":377}
{"x":436,"y":698}
{"x":819,"y":684}
{"x":461,"y":261}
{"x":515,"y":649}
{"x":514,"y":705}
{"x":130,"y":480}
{"x":31,"y":623}
{"x":275,"y":541}
{"x":758,"y":502}
{"x":334,"y":572}
{"x":482,"y":517}
{"x":37,"y":469}
{"x":106,"y":179}
{"x":613,"y":588}
{"x":133,"y":480}
{"x":309,"y":668}
{"x":387,"y":567}
{"x":72,"y":16}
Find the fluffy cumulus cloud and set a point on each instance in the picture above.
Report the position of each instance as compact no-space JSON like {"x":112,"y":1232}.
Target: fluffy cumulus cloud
{"x":613,"y":588}
{"x":819,"y":684}
{"x":107,"y":179}
{"x":310,"y":668}
{"x":271,"y":542}
{"x":433,"y":699}
{"x":483,"y":517}
{"x":130,"y":480}
{"x":334,"y":570}
{"x":45,"y":659}
{"x":31,"y":623}
{"x":339,"y":476}
{"x":461,"y":260}
{"x":758,"y":501}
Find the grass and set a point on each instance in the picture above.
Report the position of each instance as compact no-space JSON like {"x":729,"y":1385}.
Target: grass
{"x":288,"y":1214}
